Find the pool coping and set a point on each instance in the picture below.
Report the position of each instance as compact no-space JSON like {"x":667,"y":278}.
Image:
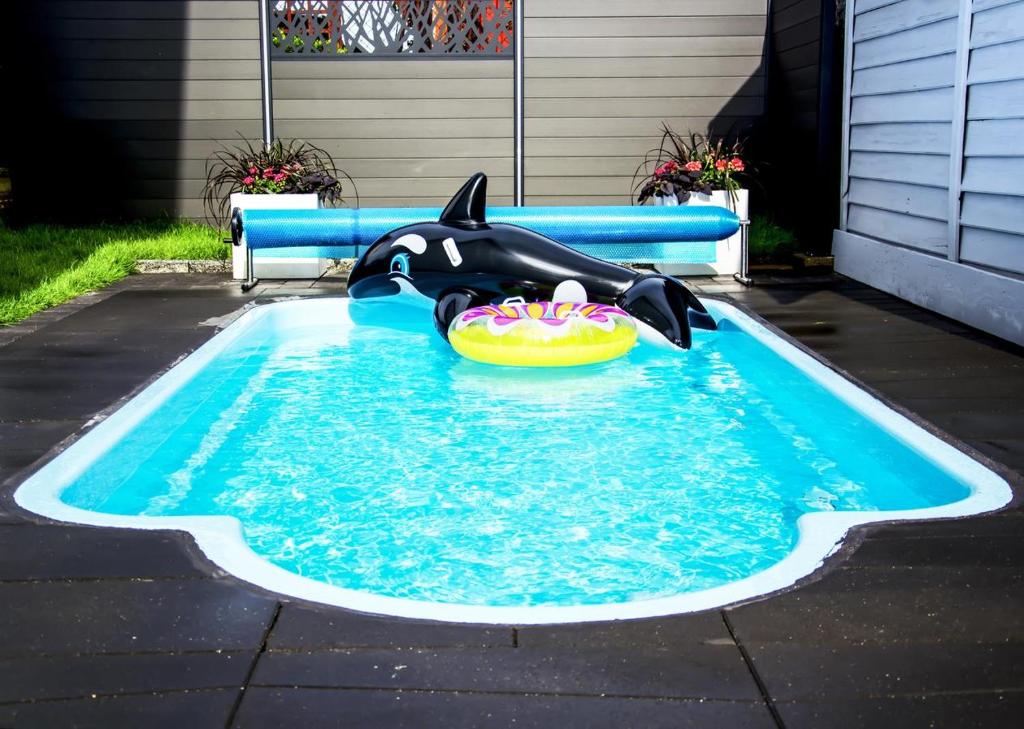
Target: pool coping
{"x":220,"y":537}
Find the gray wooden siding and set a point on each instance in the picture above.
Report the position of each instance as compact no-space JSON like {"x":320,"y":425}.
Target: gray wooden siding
{"x":992,"y":212}
{"x":602,"y":75}
{"x":409,"y":132}
{"x":935,"y":157}
{"x":900,"y":114}
{"x":161,"y":84}
{"x":155,"y":86}
{"x":906,"y":115}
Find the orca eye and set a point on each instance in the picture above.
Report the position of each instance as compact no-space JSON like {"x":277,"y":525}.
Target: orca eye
{"x":400,"y":263}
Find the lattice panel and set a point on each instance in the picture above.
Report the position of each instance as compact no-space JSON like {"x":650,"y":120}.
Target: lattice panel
{"x":342,"y":28}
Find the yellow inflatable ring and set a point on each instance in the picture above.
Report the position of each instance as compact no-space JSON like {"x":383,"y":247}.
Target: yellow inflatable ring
{"x":543,"y":334}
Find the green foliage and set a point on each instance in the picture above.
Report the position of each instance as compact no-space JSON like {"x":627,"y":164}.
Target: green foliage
{"x":46,"y":265}
{"x":699,"y":163}
{"x":286,"y":167}
{"x":770,"y":242}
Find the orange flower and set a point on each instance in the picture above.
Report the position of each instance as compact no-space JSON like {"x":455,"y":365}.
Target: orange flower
{"x":736,"y":164}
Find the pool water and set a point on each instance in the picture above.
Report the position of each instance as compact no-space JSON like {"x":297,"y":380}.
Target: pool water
{"x":356,"y":449}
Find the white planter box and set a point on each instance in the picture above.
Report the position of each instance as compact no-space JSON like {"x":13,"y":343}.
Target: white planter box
{"x":728,"y":253}
{"x":272,"y":266}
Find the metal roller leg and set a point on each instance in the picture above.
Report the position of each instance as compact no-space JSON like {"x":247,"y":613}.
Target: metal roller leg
{"x":250,"y":271}
{"x":743,"y":275}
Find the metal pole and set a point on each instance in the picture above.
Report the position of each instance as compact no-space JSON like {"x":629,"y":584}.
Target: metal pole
{"x":265,"y":81}
{"x":517,"y":81}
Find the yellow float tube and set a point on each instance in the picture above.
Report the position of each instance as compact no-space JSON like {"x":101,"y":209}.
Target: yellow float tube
{"x":543,"y":334}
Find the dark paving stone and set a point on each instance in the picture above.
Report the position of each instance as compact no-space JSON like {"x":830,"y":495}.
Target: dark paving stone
{"x":1009,"y":451}
{"x":1007,"y":523}
{"x":69,"y":677}
{"x":696,"y":671}
{"x":123,"y":616}
{"x":906,"y":605}
{"x":799,"y":672}
{"x":955,"y":388}
{"x":306,"y":627}
{"x":44,"y":390}
{"x":193,"y":709}
{"x":22,"y":443}
{"x":67,"y":552}
{"x":660,"y":634}
{"x":143,"y":310}
{"x":985,"y":711}
{"x":9,"y":517}
{"x":962,"y":552}
{"x":275,"y":708}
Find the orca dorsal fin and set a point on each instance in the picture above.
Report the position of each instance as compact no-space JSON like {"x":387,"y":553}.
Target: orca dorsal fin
{"x":469,"y":204}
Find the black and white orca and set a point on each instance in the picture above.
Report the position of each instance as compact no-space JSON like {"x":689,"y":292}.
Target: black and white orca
{"x":461,"y":261}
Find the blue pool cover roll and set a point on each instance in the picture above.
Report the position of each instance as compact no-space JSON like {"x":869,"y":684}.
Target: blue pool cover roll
{"x":613,"y":232}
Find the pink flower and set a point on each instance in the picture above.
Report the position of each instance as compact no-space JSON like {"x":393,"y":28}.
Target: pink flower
{"x":253,"y":169}
{"x":249,"y":180}
{"x":737,"y":164}
{"x":720,"y":165}
{"x":666,"y":169}
{"x":268,"y":173}
{"x":693,"y":166}
{"x":280,"y":177}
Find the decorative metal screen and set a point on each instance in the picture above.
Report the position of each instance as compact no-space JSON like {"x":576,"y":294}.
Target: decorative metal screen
{"x":347,"y":28}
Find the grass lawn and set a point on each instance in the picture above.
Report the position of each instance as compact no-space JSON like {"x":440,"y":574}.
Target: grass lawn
{"x":46,"y":265}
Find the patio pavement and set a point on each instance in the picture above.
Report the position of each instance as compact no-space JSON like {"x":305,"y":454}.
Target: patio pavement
{"x":912,"y":625}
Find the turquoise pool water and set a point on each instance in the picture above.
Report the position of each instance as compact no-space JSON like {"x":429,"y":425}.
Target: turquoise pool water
{"x":371,"y":457}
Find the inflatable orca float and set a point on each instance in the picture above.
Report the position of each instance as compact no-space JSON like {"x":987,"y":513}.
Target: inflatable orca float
{"x":460,"y":262}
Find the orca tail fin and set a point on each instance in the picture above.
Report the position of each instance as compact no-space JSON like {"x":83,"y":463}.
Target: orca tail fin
{"x":667,"y":306}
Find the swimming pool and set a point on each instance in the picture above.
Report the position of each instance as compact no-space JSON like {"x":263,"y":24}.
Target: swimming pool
{"x":340,"y":451}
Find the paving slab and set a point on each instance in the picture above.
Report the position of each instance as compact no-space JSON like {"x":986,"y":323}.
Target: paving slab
{"x":958,"y":552}
{"x":900,"y":605}
{"x":75,"y":553}
{"x":696,"y":671}
{"x":43,"y":390}
{"x":151,"y":310}
{"x":960,"y":711}
{"x":122,"y":616}
{"x":324,"y":627}
{"x":801,"y":672}
{"x":193,"y":709}
{"x":70,"y":677}
{"x":275,"y":708}
{"x":658,"y":634}
{"x":1006,"y":523}
{"x":22,"y":443}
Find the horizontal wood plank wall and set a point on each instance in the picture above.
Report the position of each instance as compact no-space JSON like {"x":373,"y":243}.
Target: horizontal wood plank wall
{"x":796,"y":38}
{"x":408,"y":132}
{"x":793,"y":115}
{"x":901,"y":113}
{"x":936,"y":157}
{"x":602,"y":76}
{"x":992,"y":212}
{"x":159,"y":84}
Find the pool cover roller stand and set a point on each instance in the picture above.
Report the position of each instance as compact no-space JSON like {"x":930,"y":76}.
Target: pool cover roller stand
{"x":570,"y":226}
{"x":583,"y":227}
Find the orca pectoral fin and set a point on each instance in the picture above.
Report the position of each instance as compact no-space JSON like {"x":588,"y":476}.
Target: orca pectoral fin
{"x":452,"y":303}
{"x":669,"y":307}
{"x":701,"y":319}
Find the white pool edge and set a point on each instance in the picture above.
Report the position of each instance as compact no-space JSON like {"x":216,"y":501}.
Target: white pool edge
{"x":220,"y":537}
